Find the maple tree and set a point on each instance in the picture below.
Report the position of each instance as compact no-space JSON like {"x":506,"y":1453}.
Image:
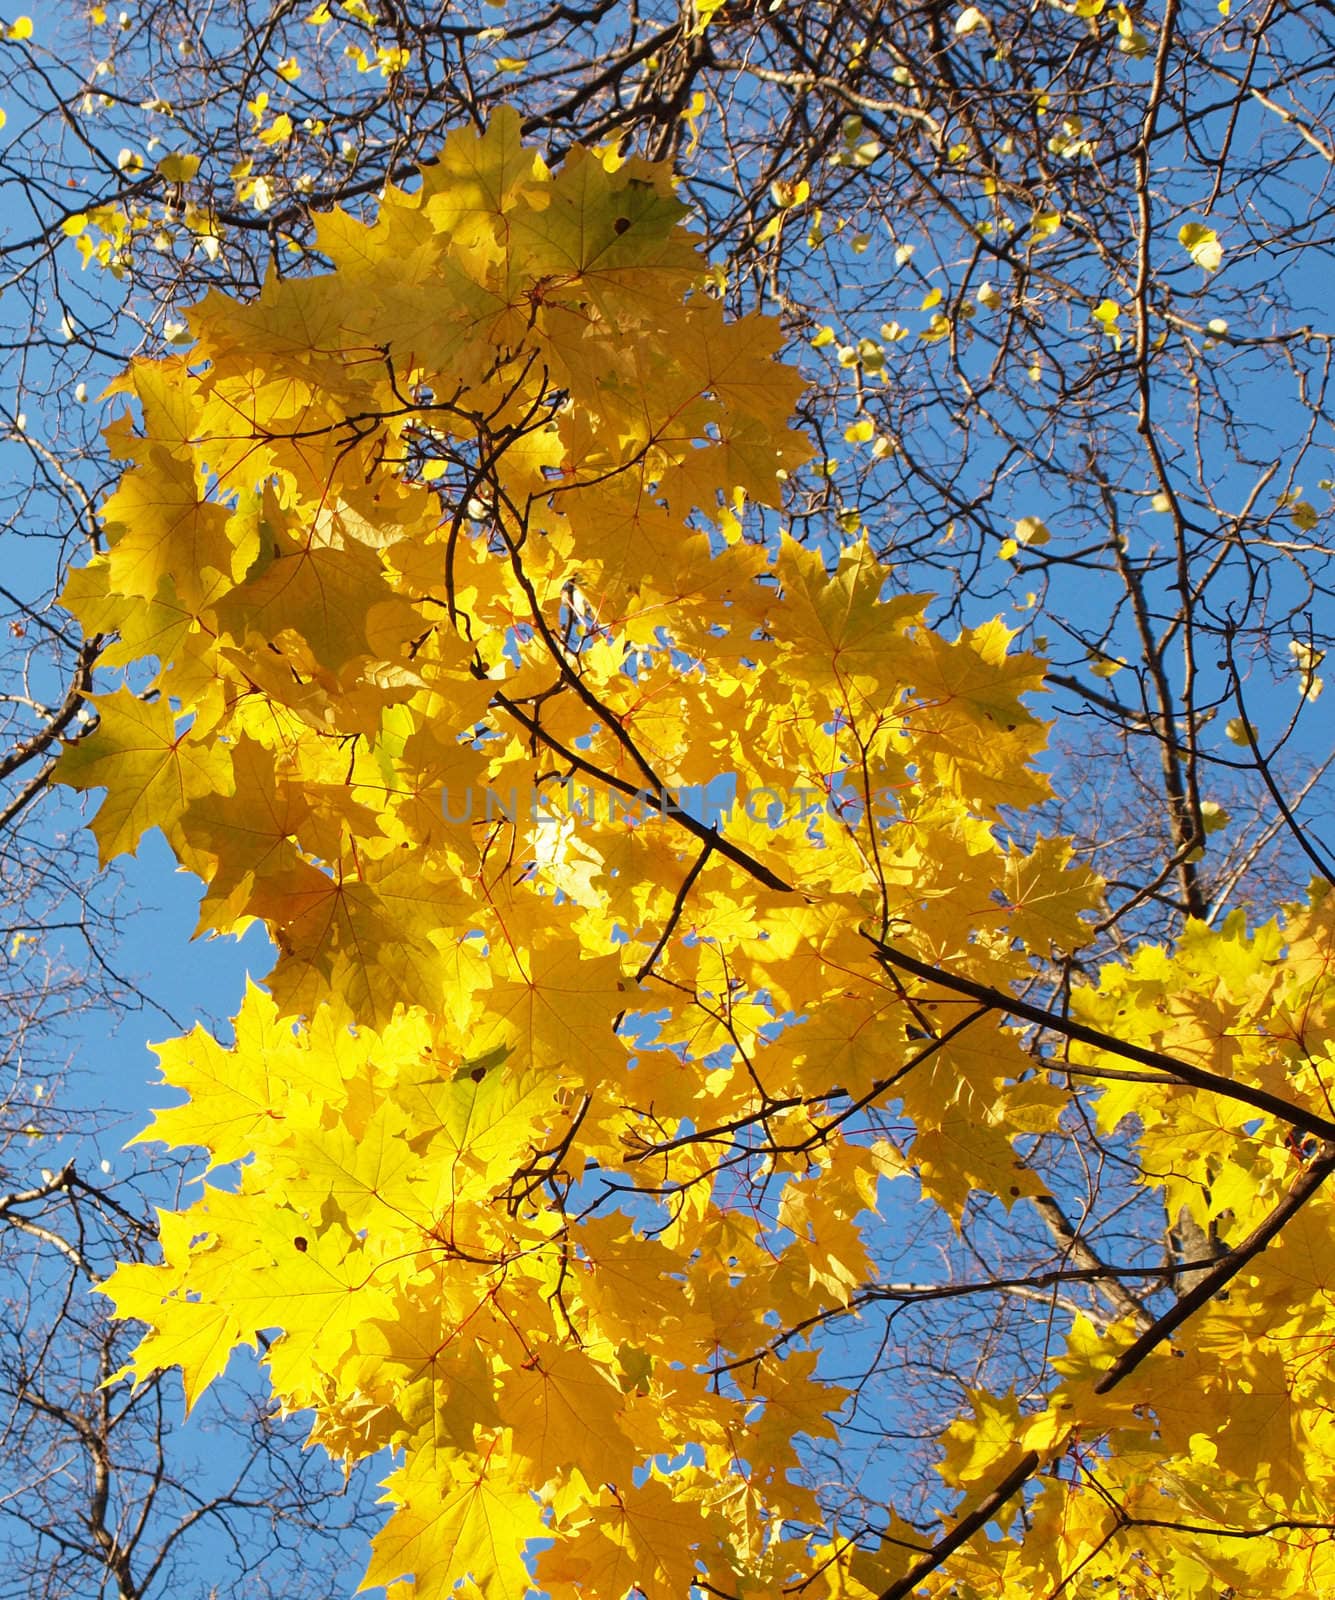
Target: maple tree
{"x":1036,"y":384}
{"x":563,"y":1138}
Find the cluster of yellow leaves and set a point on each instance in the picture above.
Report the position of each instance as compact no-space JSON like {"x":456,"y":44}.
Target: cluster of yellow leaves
{"x":1210,"y":1472}
{"x":436,"y":579}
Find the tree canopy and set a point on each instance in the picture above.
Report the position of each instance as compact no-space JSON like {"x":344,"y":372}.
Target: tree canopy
{"x":565,"y":1130}
{"x":749,"y":1096}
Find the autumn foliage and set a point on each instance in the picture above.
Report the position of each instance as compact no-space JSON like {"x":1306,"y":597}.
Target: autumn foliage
{"x":445,"y":582}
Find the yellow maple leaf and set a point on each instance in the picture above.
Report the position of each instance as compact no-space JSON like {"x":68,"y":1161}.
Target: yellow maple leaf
{"x":451,"y":1525}
{"x":151,"y":770}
